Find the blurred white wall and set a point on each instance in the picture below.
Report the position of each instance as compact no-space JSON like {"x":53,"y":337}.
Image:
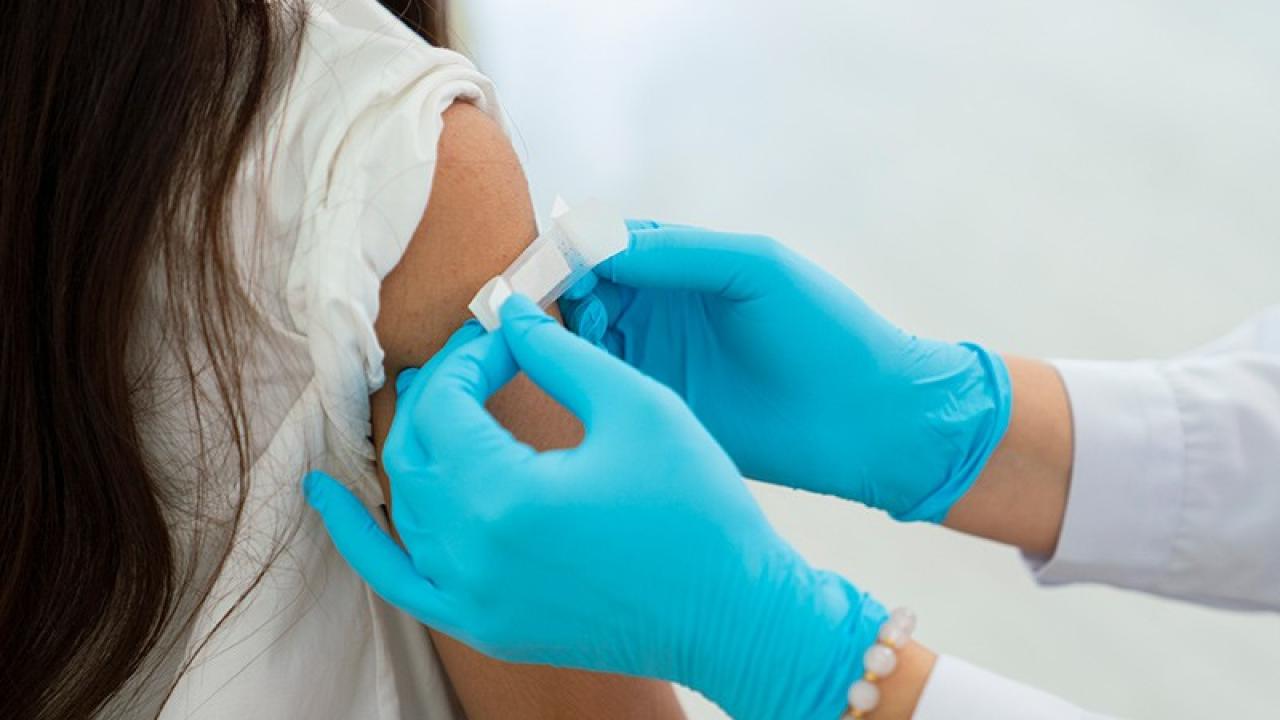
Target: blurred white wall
{"x":1094,"y":179}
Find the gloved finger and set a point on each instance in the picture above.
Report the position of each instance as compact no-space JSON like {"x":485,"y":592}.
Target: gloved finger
{"x":592,"y":317}
{"x":633,"y":224}
{"x":582,"y":310}
{"x":614,"y":300}
{"x":409,"y":385}
{"x":615,"y":343}
{"x":577,"y":374}
{"x":585,"y":317}
{"x":449,"y":416}
{"x":372,"y":553}
{"x":582,"y":288}
{"x":688,"y":258}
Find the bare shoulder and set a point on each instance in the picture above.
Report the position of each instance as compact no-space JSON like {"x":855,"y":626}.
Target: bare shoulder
{"x":477,"y":220}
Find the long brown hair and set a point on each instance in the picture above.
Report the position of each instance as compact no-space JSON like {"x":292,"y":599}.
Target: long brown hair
{"x":122,"y":127}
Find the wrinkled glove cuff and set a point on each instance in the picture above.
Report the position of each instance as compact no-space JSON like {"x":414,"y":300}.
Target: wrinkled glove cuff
{"x":990,"y":420}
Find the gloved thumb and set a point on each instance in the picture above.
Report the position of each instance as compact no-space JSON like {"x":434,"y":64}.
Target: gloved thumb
{"x":449,"y":416}
{"x":579,"y":375}
{"x":678,"y":257}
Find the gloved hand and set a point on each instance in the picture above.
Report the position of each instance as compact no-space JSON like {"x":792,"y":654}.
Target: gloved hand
{"x":640,"y":551}
{"x":796,"y":377}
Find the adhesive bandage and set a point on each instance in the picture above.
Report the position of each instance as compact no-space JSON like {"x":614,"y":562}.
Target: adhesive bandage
{"x":575,"y":241}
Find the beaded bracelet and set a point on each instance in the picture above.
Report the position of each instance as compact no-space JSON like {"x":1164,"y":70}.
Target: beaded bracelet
{"x":879,"y":662}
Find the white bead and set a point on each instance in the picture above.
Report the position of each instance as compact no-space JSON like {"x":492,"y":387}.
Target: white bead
{"x":879,"y":660}
{"x":892,"y":635}
{"x":905,"y":619}
{"x":864,"y":696}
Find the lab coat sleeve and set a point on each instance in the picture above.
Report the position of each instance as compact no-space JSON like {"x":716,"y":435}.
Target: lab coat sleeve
{"x":957,"y":689}
{"x":1175,"y":486}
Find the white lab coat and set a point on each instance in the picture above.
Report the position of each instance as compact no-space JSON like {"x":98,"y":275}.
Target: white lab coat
{"x":1175,"y":490}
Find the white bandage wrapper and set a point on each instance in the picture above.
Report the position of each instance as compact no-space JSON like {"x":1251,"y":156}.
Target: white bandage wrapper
{"x":575,"y":241}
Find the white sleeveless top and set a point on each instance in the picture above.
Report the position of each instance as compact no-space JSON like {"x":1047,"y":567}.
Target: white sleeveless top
{"x":322,"y":214}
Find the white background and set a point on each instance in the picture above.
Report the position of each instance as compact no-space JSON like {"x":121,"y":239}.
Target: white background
{"x":1092,"y":179}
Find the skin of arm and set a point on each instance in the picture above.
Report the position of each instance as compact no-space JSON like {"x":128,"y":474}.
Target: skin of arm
{"x":1021,"y":496}
{"x":477,"y":220}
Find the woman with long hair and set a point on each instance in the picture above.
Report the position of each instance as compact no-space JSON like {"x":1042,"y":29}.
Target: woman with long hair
{"x":223,"y":224}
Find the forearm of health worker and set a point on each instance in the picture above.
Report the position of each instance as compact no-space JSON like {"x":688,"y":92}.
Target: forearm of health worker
{"x":1158,"y":475}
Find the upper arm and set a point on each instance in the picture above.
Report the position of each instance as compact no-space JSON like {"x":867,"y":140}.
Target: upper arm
{"x":477,"y":221}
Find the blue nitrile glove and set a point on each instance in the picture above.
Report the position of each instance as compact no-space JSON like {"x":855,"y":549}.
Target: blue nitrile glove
{"x":640,"y":551}
{"x":797,"y":378}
